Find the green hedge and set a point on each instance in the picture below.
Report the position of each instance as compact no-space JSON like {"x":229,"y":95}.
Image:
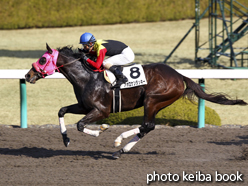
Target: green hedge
{"x":182,"y":112}
{"x":15,"y":14}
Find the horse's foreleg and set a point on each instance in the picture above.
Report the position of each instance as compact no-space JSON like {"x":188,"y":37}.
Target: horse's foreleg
{"x":63,"y":131}
{"x":95,"y":133}
{"x":74,"y":109}
{"x":92,"y":116}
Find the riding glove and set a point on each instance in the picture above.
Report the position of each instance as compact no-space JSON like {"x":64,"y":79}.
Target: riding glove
{"x":84,"y":57}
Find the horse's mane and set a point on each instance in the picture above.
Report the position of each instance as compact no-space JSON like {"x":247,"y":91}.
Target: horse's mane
{"x":67,"y":51}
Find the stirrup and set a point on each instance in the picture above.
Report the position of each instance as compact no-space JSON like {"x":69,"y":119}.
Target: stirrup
{"x":120,"y":82}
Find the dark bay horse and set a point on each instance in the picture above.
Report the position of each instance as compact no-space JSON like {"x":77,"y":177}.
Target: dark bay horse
{"x":94,"y":94}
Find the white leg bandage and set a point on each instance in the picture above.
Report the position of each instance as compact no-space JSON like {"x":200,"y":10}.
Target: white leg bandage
{"x":131,"y":144}
{"x":94,"y":133}
{"x":125,"y":135}
{"x":62,"y":125}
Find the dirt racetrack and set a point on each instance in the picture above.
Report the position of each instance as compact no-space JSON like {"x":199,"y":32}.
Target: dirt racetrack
{"x":37,"y":156}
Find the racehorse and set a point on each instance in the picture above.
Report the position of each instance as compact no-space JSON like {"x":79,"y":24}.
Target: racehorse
{"x":95,"y":96}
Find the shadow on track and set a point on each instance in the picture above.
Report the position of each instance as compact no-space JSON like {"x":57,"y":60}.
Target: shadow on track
{"x":35,"y":152}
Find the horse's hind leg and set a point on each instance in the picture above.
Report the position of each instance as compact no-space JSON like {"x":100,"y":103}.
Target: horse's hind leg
{"x":124,"y":135}
{"x":145,"y":128}
{"x":150,"y":111}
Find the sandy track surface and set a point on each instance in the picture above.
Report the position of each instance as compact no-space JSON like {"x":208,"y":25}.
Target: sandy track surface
{"x":37,"y":156}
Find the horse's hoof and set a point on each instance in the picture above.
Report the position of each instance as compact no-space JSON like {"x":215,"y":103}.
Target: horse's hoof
{"x":104,"y":127}
{"x":66,"y":142}
{"x":116,"y":155}
{"x":117,"y":144}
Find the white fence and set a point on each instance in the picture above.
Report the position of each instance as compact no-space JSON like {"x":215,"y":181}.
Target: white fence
{"x":193,"y":74}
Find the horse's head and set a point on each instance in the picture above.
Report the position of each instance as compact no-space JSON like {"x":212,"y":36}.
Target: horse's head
{"x":45,"y":66}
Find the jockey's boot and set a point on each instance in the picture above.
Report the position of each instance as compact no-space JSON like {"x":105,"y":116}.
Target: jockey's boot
{"x":120,"y":78}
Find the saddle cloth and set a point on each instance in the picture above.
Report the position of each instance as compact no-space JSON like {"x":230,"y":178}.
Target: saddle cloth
{"x":134,"y":73}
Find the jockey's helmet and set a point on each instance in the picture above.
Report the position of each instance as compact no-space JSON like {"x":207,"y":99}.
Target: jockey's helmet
{"x":86,"y":38}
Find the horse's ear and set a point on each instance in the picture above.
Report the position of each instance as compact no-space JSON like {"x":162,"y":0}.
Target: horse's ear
{"x":49,"y":49}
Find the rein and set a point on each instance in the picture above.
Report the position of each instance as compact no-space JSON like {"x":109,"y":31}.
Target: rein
{"x":67,"y":63}
{"x":86,"y":67}
{"x":84,"y":63}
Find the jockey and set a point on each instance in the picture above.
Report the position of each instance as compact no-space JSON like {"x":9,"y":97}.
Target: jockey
{"x":118,"y":52}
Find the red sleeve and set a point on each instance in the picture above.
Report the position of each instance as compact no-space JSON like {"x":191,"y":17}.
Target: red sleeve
{"x":99,"y":59}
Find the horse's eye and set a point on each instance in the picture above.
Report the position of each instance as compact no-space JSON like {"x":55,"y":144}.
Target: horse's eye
{"x":42,"y":61}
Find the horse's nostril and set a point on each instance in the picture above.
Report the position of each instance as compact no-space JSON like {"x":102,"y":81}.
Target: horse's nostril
{"x":27,"y":76}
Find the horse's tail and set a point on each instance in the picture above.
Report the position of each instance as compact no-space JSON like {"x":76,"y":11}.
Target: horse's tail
{"x":193,"y":88}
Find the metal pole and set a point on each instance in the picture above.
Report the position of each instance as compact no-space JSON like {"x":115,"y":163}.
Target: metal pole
{"x":215,"y":33}
{"x":231,"y":30}
{"x":201,"y":107}
{"x":211,"y":32}
{"x":197,"y":25}
{"x":228,"y":36}
{"x":223,"y":29}
{"x":23,"y":103}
